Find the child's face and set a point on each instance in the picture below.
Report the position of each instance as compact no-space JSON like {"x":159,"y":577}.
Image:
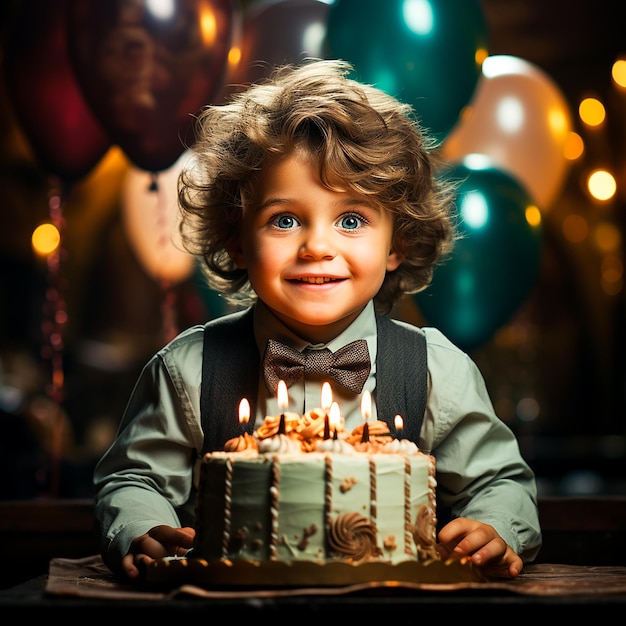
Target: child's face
{"x":314,"y":256}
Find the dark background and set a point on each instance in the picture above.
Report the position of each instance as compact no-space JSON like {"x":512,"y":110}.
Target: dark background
{"x":556,"y":370}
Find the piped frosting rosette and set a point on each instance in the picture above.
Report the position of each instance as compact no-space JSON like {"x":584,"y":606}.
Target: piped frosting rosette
{"x":270,"y":425}
{"x":270,"y":440}
{"x":378,"y":432}
{"x":243,"y":443}
{"x":280,"y":444}
{"x":379,"y":436}
{"x":311,"y":429}
{"x":311,"y":425}
{"x":353,"y":536}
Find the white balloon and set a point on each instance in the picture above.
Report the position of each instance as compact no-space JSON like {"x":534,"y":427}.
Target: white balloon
{"x":520,"y":119}
{"x":151,"y":222}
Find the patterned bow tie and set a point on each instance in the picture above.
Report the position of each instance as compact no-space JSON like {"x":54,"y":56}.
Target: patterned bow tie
{"x":349,"y":366}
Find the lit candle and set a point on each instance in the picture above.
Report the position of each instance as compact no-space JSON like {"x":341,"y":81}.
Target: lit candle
{"x":398,"y":422}
{"x":334,"y":418}
{"x":366,"y":411}
{"x":244,"y":414}
{"x":327,"y":401}
{"x":283,"y":402}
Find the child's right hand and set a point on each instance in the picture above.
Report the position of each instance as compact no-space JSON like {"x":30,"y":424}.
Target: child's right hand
{"x":482,"y":544}
{"x":158,"y":542}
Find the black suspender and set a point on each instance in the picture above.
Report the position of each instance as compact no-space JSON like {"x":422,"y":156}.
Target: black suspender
{"x":230,"y":371}
{"x":401,"y":375}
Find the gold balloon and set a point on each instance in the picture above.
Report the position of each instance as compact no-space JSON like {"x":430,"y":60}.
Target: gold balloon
{"x":150,"y":214}
{"x":520,"y":119}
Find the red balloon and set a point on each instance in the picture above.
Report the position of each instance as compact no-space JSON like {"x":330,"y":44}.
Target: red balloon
{"x":145,"y":72}
{"x":286,"y":31}
{"x":62,"y":131}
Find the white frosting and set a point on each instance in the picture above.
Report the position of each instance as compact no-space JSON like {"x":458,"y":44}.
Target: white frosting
{"x":335,"y":446}
{"x":400,"y":446}
{"x":279,"y":444}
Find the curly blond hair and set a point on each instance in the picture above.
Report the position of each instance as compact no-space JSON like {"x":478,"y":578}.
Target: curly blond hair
{"x":358,"y":135}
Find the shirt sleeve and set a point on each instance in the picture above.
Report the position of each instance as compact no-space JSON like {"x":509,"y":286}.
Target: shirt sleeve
{"x":481,"y":473}
{"x":145,"y":478}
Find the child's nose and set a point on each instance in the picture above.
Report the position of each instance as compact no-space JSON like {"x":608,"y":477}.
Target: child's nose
{"x":318,"y":243}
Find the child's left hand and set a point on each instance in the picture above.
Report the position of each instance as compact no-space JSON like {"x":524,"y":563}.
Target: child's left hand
{"x":464,"y":537}
{"x":158,"y":542}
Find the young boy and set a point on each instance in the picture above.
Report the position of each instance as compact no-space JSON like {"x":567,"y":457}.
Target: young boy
{"x":313,"y":202}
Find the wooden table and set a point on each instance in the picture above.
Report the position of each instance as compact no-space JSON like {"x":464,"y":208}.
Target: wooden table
{"x":87,"y":588}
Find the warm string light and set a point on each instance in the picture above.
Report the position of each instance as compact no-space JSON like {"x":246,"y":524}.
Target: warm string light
{"x":53,"y":323}
{"x":54,"y":311}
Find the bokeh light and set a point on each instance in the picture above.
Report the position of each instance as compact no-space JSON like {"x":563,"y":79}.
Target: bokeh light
{"x":45,"y":239}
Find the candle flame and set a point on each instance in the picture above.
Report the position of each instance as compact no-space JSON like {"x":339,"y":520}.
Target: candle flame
{"x":282,"y":395}
{"x":334,"y":416}
{"x":398,"y":422}
{"x":327,"y":396}
{"x":366,"y":405}
{"x":244,"y":411}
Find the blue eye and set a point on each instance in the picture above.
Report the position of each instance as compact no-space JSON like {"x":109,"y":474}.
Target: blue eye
{"x":351,"y":222}
{"x":285,"y":221}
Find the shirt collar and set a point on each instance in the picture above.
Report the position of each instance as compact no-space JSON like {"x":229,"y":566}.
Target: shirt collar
{"x":267,"y":325}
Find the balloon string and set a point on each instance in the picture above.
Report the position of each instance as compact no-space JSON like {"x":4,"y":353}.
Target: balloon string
{"x":168,"y":311}
{"x":169,"y":328}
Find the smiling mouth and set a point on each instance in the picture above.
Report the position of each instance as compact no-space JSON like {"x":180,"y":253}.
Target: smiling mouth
{"x":317,"y":280}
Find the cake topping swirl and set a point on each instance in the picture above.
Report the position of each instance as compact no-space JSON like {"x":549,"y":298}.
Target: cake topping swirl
{"x":270,"y":425}
{"x":279,"y":444}
{"x":378,"y":433}
{"x":292,"y":433}
{"x":353,"y":536}
{"x":242,"y":443}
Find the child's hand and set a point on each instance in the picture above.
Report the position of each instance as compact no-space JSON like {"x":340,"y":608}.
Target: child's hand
{"x":482,"y":544}
{"x":158,"y":542}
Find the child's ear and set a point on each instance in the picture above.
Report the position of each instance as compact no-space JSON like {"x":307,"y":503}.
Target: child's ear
{"x":394,"y":260}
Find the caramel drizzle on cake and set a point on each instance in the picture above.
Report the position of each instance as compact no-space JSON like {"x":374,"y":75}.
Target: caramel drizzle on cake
{"x":425,"y":529}
{"x":408,"y":525}
{"x":373,"y":496}
{"x":228,"y":503}
{"x":274,"y":493}
{"x":328,"y":493}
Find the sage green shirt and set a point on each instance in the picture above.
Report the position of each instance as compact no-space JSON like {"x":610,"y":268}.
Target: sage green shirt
{"x":148,"y":475}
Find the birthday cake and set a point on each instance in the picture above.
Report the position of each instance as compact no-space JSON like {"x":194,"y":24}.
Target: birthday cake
{"x":303,"y":502}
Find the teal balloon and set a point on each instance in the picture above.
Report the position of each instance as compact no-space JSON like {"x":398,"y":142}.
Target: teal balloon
{"x":494,"y":265}
{"x":423,"y":52}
